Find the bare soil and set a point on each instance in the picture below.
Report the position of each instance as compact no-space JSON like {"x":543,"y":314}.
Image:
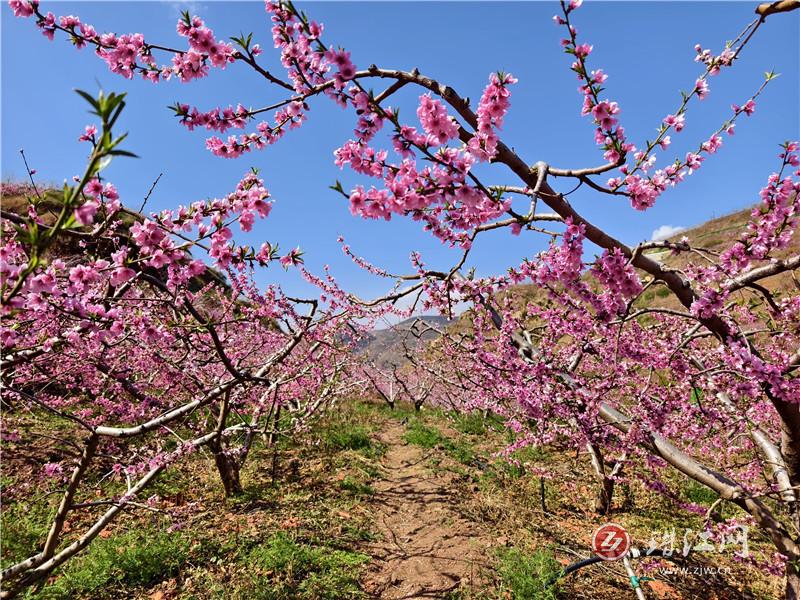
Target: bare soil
{"x":427,"y":548}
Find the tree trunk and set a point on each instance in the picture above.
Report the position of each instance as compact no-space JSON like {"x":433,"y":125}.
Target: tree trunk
{"x":604,"y":497}
{"x":605,"y":491}
{"x":790,"y":449}
{"x":228,"y":468}
{"x":792,"y":580}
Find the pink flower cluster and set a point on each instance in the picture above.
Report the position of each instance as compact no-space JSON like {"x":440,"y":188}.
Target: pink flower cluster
{"x":562,"y":263}
{"x":772,"y":226}
{"x":345,"y":69}
{"x":122,"y":54}
{"x":97,"y":194}
{"x":438,"y":194}
{"x":370,"y":117}
{"x":217,"y":119}
{"x":609,"y":134}
{"x":614,"y":271}
{"x":23,"y":8}
{"x":16,"y":188}
{"x":128,"y":54}
{"x":644,"y":189}
{"x":306,"y":60}
{"x":494,"y":104}
{"x":203,"y":47}
{"x":203,"y":44}
{"x":773,"y":222}
{"x":440,"y":127}
{"x":709,"y":304}
{"x":291,"y":117}
{"x":247,"y":202}
{"x":714,"y":63}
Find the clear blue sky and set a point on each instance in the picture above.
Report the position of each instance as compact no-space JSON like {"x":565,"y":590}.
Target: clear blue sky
{"x":645,"y":47}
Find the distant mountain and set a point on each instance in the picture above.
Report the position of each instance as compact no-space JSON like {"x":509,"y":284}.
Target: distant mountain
{"x":387,"y":347}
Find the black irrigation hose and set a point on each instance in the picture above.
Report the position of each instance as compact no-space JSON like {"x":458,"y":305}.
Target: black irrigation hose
{"x":633,"y":553}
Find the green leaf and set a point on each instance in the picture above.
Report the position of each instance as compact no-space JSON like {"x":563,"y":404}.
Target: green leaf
{"x":88,"y":98}
{"x":116,"y":142}
{"x":123,"y":153}
{"x":337,"y":187}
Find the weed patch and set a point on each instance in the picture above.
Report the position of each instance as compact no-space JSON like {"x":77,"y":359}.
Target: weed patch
{"x":24,"y":526}
{"x":356,"y":487}
{"x":524,"y":576}
{"x":419,"y":434}
{"x":285,"y":569}
{"x":135,"y":558}
{"x":351,"y":437}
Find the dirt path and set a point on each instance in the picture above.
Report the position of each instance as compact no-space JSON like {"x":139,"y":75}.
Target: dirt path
{"x":426,"y":549}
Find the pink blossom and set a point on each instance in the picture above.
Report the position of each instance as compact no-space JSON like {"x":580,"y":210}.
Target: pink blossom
{"x":53,"y":470}
{"x":675,"y":121}
{"x":701,"y":88}
{"x":93,"y":188}
{"x":85,"y":213}
{"x":435,"y":121}
{"x":23,"y":8}
{"x":293,"y":258}
{"x":748,"y":108}
{"x":88,"y":134}
{"x":693,"y":161}
{"x":712,"y":144}
{"x":120,"y":275}
{"x":583,"y":50}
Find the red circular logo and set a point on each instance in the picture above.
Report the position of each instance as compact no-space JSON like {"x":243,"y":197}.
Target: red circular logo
{"x":611,"y":541}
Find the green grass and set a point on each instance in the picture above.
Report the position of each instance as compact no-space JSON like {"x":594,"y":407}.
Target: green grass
{"x":425,"y":436}
{"x":532,"y":455}
{"x":523,"y":575}
{"x":23,"y":529}
{"x":284,"y":569}
{"x":171,"y":483}
{"x":137,"y":558}
{"x":356,"y":487}
{"x":347,"y":436}
{"x":699,"y":494}
{"x":419,"y":434}
{"x":472,"y":423}
{"x":461,"y":452}
{"x":401,"y":411}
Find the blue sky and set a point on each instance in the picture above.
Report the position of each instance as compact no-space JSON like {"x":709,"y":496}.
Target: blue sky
{"x":645,"y":47}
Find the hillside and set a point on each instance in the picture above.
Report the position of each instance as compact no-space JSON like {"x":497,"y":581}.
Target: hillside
{"x":14,"y":204}
{"x":387,"y":347}
{"x":711,"y":237}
